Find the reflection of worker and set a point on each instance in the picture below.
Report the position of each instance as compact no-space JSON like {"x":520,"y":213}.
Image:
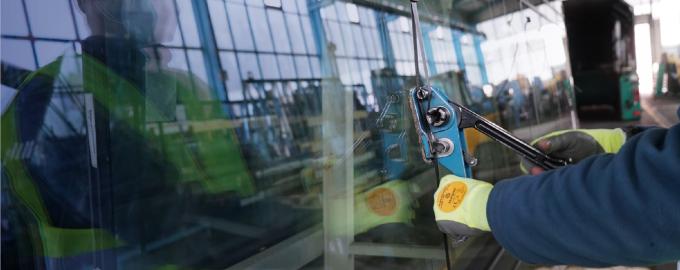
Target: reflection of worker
{"x":618,"y":207}
{"x":94,"y":181}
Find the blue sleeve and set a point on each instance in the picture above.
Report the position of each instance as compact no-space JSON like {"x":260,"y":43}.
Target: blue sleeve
{"x":621,"y":209}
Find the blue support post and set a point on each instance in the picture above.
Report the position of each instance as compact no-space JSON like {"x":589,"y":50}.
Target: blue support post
{"x":319,"y":37}
{"x":459,"y":49}
{"x":212,"y":63}
{"x":480,"y":58}
{"x":386,"y":44}
{"x":427,"y":46}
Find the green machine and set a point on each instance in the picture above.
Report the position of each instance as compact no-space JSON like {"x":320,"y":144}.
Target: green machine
{"x":602,"y":57}
{"x":667,"y":82}
{"x":630,"y":108}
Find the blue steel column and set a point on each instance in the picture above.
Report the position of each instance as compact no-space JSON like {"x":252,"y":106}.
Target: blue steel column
{"x":480,"y":58}
{"x":427,"y":46}
{"x":209,"y":49}
{"x":314,"y":8}
{"x":459,"y":49}
{"x":388,"y":53}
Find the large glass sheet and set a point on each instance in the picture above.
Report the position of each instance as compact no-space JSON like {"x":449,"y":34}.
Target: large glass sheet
{"x":132,"y":156}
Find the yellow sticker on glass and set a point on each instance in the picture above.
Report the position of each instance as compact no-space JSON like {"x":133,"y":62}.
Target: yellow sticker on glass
{"x":382,"y":201}
{"x":451,"y":196}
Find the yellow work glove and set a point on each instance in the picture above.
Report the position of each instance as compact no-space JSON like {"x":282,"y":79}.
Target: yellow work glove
{"x":387,"y":203}
{"x":460,"y":206}
{"x":576,"y":145}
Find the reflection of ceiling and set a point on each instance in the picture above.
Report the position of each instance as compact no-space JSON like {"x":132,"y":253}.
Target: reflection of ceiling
{"x":461,"y":11}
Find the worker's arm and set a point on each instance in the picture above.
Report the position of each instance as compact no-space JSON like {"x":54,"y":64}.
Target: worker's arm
{"x":621,"y":209}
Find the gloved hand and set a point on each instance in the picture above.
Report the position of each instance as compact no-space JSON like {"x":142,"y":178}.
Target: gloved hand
{"x":460,"y":206}
{"x":576,"y":145}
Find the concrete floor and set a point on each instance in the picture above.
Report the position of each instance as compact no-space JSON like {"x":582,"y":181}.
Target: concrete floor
{"x":656,"y":112}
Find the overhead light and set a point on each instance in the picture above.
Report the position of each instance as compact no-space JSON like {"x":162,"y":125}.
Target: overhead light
{"x":352,"y":12}
{"x":273,"y":3}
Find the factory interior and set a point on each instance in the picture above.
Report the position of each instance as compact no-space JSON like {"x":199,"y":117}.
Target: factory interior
{"x":314,"y":134}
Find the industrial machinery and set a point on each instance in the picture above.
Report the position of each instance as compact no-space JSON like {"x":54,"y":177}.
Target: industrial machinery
{"x":667,"y":81}
{"x":602,"y":56}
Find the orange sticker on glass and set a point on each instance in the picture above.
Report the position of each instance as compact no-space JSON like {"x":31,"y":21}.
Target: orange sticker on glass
{"x":451,"y":196}
{"x":382,"y":201}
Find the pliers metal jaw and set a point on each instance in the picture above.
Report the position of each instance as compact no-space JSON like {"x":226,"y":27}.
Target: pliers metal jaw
{"x":436,"y":124}
{"x":440,"y":123}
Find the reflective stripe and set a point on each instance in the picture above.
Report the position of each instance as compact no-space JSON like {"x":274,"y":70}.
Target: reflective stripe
{"x":64,"y":242}
{"x":56,"y":242}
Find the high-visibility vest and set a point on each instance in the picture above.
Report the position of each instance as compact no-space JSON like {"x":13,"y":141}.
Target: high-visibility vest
{"x":221,"y":167}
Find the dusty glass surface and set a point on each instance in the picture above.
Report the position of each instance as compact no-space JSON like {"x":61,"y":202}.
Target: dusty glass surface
{"x":224,"y":134}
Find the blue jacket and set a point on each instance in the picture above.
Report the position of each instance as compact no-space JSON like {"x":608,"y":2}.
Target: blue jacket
{"x":611,"y":209}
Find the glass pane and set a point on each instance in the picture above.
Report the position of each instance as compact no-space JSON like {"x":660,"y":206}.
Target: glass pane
{"x":307,"y":30}
{"x":47,"y":51}
{"x":279,"y":30}
{"x":287,"y":67}
{"x":359,"y":41}
{"x":296,"y":35}
{"x":132,"y":156}
{"x":18,"y":53}
{"x":81,"y":21}
{"x":240,"y":26}
{"x":348,"y":40}
{"x":335,"y":36}
{"x":289,"y":6}
{"x":188,"y":23}
{"x":260,"y":28}
{"x":197,"y":66}
{"x":302,"y":65}
{"x":316,"y":66}
{"x":233,"y":78}
{"x":51,"y":18}
{"x":249,"y":66}
{"x":269,"y":66}
{"x":220,"y":24}
{"x":13,"y":20}
{"x":7,"y":95}
{"x":302,"y":6}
